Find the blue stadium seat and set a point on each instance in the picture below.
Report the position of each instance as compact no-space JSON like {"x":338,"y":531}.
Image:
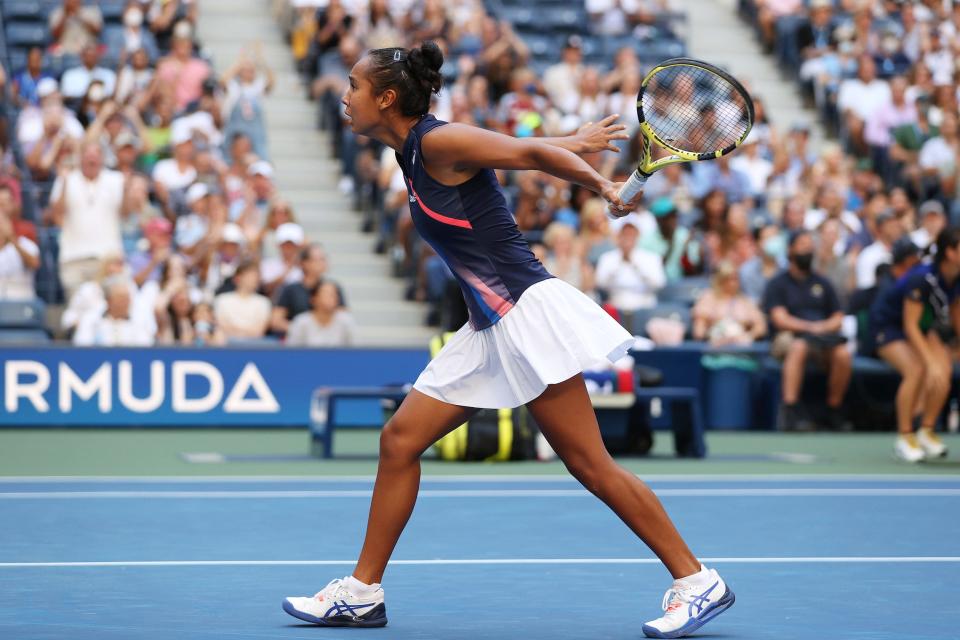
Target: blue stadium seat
{"x":17,"y":58}
{"x":519,"y":17}
{"x":23,"y":11}
{"x":27,"y":314}
{"x":112,"y":11}
{"x":23,"y":336}
{"x":564,"y":20}
{"x":27,"y":35}
{"x":684,"y":291}
{"x":542,"y":46}
{"x":659,"y":50}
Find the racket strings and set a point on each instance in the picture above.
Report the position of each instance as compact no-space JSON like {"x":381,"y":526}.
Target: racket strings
{"x":694,"y":109}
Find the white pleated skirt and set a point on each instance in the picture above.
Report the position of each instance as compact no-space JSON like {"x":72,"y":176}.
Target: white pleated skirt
{"x":552,"y":333}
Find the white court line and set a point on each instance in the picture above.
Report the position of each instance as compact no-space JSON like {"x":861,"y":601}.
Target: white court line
{"x":490,"y":561}
{"x":476,"y":493}
{"x":663,"y":477}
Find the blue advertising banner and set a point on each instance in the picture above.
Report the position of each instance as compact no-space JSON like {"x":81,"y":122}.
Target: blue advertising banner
{"x":70,"y":386}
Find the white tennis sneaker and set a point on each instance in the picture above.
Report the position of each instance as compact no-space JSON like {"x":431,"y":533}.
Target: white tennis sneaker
{"x":336,"y":606}
{"x":931,"y":443}
{"x":907,"y":448}
{"x":688,"y":606}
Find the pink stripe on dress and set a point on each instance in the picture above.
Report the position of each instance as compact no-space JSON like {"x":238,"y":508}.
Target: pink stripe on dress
{"x":439,"y":217}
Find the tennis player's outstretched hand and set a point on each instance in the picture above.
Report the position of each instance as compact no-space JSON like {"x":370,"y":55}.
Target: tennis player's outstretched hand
{"x":618,"y":208}
{"x":599,"y":136}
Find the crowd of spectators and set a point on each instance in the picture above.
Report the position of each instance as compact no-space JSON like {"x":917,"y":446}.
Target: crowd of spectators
{"x":782,"y":237}
{"x":155,"y":189}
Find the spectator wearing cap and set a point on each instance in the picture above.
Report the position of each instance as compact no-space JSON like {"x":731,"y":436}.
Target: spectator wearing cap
{"x":296,"y":298}
{"x":146,"y":264}
{"x":86,"y":205}
{"x":137,"y":212}
{"x":182,"y":71}
{"x":250,"y":211}
{"x":117,"y":326}
{"x":133,"y":36}
{"x":19,"y":260}
{"x":126,"y":149}
{"x":176,"y":173}
{"x":933,"y":220}
{"x":806,"y":316}
{"x":326,"y":325}
{"x":283,"y":269}
{"x":631,"y":276}
{"x":74,"y":26}
{"x":75,"y":80}
{"x":24,"y":84}
{"x":888,"y":231}
{"x":668,"y":240}
{"x":562,"y":79}
{"x":192,"y":228}
{"x":221,"y":264}
{"x":769,"y":261}
{"x":243,"y":313}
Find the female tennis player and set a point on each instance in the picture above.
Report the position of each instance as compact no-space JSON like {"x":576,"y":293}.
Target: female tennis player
{"x":528,"y":338}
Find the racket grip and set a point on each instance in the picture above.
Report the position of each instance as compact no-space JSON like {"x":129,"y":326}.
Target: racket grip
{"x":633,"y":186}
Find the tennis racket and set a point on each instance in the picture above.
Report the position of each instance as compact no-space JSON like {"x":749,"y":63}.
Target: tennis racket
{"x":691,"y":109}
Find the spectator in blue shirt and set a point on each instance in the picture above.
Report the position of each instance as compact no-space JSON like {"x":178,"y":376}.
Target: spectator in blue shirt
{"x":25,"y":82}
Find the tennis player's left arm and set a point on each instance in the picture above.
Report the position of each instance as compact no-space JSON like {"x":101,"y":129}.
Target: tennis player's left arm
{"x":592,"y":137}
{"x":465,"y":147}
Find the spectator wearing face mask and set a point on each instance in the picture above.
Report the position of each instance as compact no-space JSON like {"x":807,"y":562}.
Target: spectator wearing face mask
{"x":132,"y":37}
{"x":806,"y":318}
{"x":75,"y":80}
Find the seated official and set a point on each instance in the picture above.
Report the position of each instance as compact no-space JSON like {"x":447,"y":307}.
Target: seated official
{"x":806,"y":318}
{"x":914,"y":322}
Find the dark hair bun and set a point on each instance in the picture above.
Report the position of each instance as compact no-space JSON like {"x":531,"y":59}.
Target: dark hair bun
{"x":425,"y":62}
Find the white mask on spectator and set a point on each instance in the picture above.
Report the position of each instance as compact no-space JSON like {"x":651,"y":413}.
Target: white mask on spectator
{"x":133,"y":18}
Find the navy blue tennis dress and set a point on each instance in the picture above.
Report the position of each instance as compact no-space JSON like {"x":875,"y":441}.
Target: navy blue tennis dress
{"x":527,"y":329}
{"x":924,"y":284}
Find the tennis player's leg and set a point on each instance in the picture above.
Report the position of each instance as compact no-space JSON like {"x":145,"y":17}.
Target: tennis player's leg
{"x":566,"y":418}
{"x":419,"y":422}
{"x":358,"y":599}
{"x":904,"y":358}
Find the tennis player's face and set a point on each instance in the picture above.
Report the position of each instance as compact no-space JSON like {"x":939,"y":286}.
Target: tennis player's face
{"x":361,"y":105}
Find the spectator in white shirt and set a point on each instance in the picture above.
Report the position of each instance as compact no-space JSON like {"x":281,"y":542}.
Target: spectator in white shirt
{"x":888,"y":230}
{"x":283,"y":269}
{"x":176,"y":173}
{"x":87,"y":204}
{"x":19,"y":259}
{"x":832,"y":206}
{"x":859,"y":97}
{"x":115,"y":328}
{"x":562,"y":79}
{"x":75,"y":80}
{"x":326,"y":325}
{"x":938,"y":156}
{"x":74,"y":26}
{"x":630,"y":275}
{"x":752,"y":164}
{"x":243,"y":313}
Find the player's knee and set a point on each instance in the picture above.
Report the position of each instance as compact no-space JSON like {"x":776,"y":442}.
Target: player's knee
{"x":798,"y":349}
{"x":592,"y":474}
{"x":395,"y":443}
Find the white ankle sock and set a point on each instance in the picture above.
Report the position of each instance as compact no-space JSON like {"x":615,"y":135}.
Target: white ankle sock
{"x":361,"y":589}
{"x":699,"y":578}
